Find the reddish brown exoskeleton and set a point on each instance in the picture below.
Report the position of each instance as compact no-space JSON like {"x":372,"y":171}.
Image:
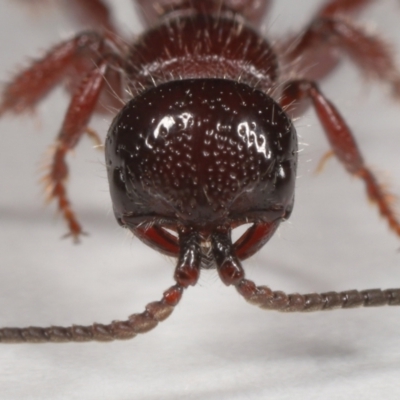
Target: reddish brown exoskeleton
{"x":204,"y":143}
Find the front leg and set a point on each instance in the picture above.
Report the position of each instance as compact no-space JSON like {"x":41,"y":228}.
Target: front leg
{"x":86,"y":60}
{"x":79,"y":112}
{"x":315,"y":53}
{"x":343,"y":144}
{"x":343,"y":7}
{"x":95,"y":13}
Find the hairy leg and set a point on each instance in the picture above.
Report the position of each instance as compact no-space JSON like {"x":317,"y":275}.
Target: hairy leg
{"x":343,"y":144}
{"x":328,"y":37}
{"x":87,"y":60}
{"x":343,"y":7}
{"x":88,"y":14}
{"x":94,"y":13}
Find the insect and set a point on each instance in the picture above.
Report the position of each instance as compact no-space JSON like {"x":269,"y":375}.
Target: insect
{"x":204,"y":143}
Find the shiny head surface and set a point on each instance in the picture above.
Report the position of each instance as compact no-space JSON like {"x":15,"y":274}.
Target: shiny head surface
{"x":201,"y":154}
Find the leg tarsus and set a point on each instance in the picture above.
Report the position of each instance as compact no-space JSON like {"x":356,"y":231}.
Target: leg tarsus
{"x":378,"y":194}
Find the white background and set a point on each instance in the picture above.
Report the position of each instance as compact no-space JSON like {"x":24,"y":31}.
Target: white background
{"x":215,"y":345}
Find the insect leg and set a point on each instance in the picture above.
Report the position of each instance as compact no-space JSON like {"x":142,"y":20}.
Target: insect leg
{"x":31,"y":85}
{"x":371,"y":54}
{"x":93,"y":12}
{"x":70,"y":59}
{"x":343,"y":144}
{"x":79,"y":112}
{"x":334,"y":7}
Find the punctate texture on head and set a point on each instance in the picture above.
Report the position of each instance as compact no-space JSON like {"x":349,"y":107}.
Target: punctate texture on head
{"x":201,"y":152}
{"x":201,"y":144}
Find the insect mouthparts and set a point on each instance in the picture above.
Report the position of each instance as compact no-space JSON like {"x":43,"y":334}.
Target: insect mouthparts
{"x":203,"y":142}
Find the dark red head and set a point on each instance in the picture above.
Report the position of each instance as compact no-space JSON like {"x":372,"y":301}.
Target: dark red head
{"x":201,"y":155}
